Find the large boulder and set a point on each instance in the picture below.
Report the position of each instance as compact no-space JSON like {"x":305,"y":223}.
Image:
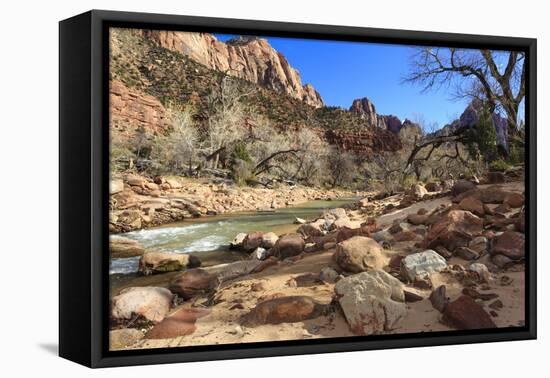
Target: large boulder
{"x":289,"y":245}
{"x":269,"y":239}
{"x":284,"y":310}
{"x":162,"y":262}
{"x":252,"y":241}
{"x":141,"y":303}
{"x":358,"y":254}
{"x":473,"y":205}
{"x":372,"y":302}
{"x":237,"y":242}
{"x":465,"y":313}
{"x":193,"y":282}
{"x":121,"y":247}
{"x":462,"y":186}
{"x":514,"y":200}
{"x":510,"y":244}
{"x":422,"y":264}
{"x":454,"y":229}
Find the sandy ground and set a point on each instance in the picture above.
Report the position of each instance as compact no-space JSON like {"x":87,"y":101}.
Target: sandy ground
{"x":237,"y":297}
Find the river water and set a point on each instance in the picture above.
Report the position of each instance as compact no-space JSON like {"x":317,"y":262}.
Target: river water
{"x":209,"y":237}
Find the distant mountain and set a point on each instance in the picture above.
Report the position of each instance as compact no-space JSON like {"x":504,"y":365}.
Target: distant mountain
{"x":249,"y":58}
{"x":470,"y":118}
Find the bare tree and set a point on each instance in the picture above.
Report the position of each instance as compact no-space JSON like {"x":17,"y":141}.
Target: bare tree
{"x":495,"y":77}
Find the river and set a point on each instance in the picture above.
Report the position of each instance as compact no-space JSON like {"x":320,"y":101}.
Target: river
{"x":209,"y":237}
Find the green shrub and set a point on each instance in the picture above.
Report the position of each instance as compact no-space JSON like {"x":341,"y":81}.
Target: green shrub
{"x":499,"y":165}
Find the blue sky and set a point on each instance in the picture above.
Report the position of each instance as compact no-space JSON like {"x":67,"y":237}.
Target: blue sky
{"x":344,"y":71}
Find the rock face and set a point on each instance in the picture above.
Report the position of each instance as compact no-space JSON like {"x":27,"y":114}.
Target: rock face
{"x":145,"y":303}
{"x":249,"y":58}
{"x":372,"y":302}
{"x":364,"y":142}
{"x":390,"y":123}
{"x":162,"y":262}
{"x":121,"y":247}
{"x":284,"y":310}
{"x":359,"y":254}
{"x":365,"y":109}
{"x":465,"y":313}
{"x":131,"y":109}
{"x":193,"y":282}
{"x":422,"y":264}
{"x":454,"y":229}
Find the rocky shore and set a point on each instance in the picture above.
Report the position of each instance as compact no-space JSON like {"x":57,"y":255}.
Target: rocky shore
{"x":415,"y":262}
{"x":138,"y":202}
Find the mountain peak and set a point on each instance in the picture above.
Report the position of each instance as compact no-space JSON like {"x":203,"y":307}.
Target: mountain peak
{"x":247,"y":57}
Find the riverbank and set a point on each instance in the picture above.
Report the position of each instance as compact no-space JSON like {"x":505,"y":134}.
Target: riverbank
{"x":432,"y":262}
{"x":137,"y":202}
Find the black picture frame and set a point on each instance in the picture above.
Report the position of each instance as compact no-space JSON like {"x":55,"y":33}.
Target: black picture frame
{"x":84,"y":188}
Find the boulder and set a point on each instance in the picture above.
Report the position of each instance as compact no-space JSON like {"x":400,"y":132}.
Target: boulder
{"x":405,"y":236}
{"x":479,"y":244}
{"x":181,"y":323}
{"x":417,"y":219}
{"x":418,"y":191}
{"x":237,"y":242}
{"x":121,"y":247}
{"x":462,"y":186}
{"x":359,"y":254}
{"x":328,"y":275}
{"x":148,"y":303}
{"x":454,"y":229}
{"x":289,"y":245}
{"x":481,"y":270}
{"x":501,"y":261}
{"x":316,"y":228}
{"x":299,"y":221}
{"x":439,"y":298}
{"x":116,"y":186}
{"x":162,"y":262}
{"x":124,"y":337}
{"x":193,"y":282}
{"x":465,"y":313}
{"x":399,"y":226}
{"x":383,"y":236}
{"x":473,"y":205}
{"x":510,"y":244}
{"x":344,"y":222}
{"x":252,"y":241}
{"x":260,"y":253}
{"x":466,"y":253}
{"x":372,"y":302}
{"x":422,"y":264}
{"x":269,"y":239}
{"x":514,"y":200}
{"x":135,"y":180}
{"x":290,"y":309}
{"x":336,"y":213}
